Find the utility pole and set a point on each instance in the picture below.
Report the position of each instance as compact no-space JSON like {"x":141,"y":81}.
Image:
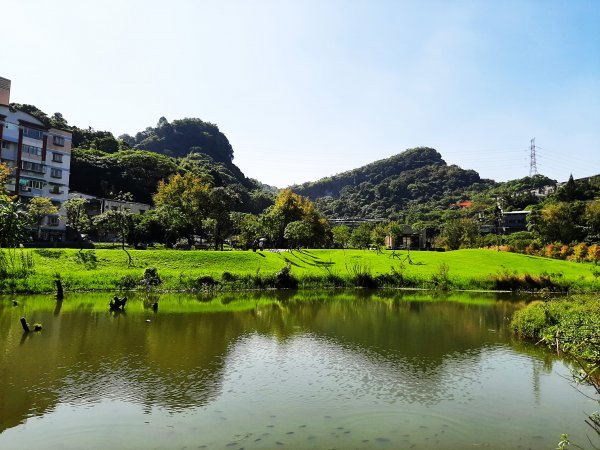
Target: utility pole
{"x":532,"y":162}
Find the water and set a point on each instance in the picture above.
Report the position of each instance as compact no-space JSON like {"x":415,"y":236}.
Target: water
{"x":254,"y":371}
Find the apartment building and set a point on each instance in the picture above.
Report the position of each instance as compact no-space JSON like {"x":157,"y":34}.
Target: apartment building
{"x":39,"y":158}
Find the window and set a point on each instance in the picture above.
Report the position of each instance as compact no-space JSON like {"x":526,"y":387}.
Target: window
{"x":32,"y":133}
{"x":5,"y":144}
{"x":55,"y":189}
{"x":56,"y":173}
{"x":33,"y":167}
{"x":57,"y":157}
{"x":30,"y":149}
{"x":58,"y":141}
{"x":53,"y":221}
{"x":28,"y":185}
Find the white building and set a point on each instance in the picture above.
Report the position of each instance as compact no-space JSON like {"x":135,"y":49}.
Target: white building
{"x":39,"y":158}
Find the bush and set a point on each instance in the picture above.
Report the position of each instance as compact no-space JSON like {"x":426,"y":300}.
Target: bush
{"x":362,"y":277}
{"x":227,"y":277}
{"x":128,"y":283}
{"x":531,"y":320}
{"x":571,"y":324}
{"x":441,"y":279}
{"x":150,"y":277}
{"x":594,"y":253}
{"x":284,"y":279}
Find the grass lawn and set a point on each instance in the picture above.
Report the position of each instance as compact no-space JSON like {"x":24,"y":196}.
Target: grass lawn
{"x":108,"y":269}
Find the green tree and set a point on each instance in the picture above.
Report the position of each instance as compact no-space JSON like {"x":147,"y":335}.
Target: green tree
{"x":221,"y":201}
{"x":558,"y":222}
{"x":378,"y":234}
{"x":341,"y":235}
{"x":592,"y":219}
{"x":118,"y":221}
{"x":290,"y":207}
{"x":38,"y":209}
{"x":298,"y":234}
{"x":460,"y":233}
{"x":361,"y":236}
{"x":246,"y":228}
{"x":77,"y":218}
{"x":183,"y":201}
{"x":14,"y":223}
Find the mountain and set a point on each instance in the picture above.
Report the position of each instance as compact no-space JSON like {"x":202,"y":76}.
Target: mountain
{"x":389,"y":187}
{"x":182,"y":137}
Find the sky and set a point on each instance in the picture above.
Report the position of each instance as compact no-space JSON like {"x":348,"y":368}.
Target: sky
{"x":305,"y":89}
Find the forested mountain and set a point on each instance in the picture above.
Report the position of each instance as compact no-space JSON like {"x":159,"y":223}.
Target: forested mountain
{"x":103,"y":165}
{"x":390,"y":187}
{"x":181,"y":137}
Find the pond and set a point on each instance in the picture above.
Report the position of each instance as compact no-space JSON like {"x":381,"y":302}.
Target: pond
{"x":308,"y":370}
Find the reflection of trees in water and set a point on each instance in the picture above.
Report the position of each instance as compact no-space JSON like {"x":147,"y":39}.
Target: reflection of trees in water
{"x":173,"y":362}
{"x":177,"y":360}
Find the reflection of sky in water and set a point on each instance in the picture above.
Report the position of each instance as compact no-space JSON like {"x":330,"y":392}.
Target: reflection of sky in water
{"x":287,"y":378}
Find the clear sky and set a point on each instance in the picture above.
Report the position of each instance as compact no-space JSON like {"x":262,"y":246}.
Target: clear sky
{"x":305,"y":89}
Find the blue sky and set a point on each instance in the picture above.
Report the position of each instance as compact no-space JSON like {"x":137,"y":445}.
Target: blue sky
{"x":305,"y":89}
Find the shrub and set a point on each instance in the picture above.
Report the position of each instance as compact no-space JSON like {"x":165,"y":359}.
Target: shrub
{"x":127,"y":283}
{"x":564,"y":252}
{"x":531,"y":320}
{"x":362,"y":277}
{"x":284,"y":279}
{"x":594,"y":253}
{"x":580,"y":252}
{"x":150,"y":277}
{"x":440,"y":279}
{"x":550,"y":251}
{"x":228,"y":277}
{"x":532,"y":249}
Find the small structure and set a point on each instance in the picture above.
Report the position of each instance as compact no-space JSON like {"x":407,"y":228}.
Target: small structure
{"x":513,"y":221}
{"x":410,"y":239}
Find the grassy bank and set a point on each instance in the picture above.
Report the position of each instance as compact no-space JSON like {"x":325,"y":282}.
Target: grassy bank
{"x":108,"y":269}
{"x":570,"y":325}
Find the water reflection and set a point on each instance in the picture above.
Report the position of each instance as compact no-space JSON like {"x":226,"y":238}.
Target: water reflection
{"x":367,"y":362}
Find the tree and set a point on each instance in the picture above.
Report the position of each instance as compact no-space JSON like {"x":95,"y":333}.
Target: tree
{"x":4,"y":174}
{"x":341,"y":235}
{"x":361,"y":236}
{"x":297,"y":234}
{"x":184,"y":202}
{"x":118,"y":221}
{"x":460,"y":233}
{"x":290,"y":207}
{"x":38,"y":208}
{"x":378,"y":234}
{"x":558,"y":222}
{"x":14,"y":223}
{"x":77,"y":218}
{"x":221,"y":201}
{"x":592,"y":219}
{"x":246,"y":228}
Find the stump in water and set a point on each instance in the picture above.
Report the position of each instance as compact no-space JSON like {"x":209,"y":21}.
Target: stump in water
{"x":25,"y":325}
{"x":59,"y":289}
{"x":118,"y":303}
{"x":27,"y":328}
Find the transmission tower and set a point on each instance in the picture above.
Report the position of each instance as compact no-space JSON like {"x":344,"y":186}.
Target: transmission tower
{"x":532,"y":162}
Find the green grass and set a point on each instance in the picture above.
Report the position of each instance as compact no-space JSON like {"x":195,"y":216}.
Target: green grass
{"x":571,"y":324}
{"x":107,"y":269}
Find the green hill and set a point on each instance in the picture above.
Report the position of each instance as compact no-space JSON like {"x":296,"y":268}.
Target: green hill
{"x":386,"y":188}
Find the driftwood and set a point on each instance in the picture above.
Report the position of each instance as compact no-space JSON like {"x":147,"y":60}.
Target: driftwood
{"x":27,"y":328}
{"x":118,"y":303}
